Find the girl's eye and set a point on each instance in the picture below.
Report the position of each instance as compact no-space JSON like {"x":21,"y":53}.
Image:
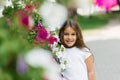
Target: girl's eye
{"x":73,"y":34}
{"x":66,"y":34}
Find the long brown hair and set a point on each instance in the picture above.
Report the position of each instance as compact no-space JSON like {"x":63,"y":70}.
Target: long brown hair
{"x":74,"y":25}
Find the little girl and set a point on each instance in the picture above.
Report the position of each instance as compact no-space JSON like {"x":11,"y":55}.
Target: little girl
{"x":79,"y":60}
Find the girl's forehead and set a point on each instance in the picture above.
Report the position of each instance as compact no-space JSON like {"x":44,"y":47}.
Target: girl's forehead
{"x":71,"y":29}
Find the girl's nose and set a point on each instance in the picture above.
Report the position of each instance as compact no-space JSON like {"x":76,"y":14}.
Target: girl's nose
{"x":69,"y":36}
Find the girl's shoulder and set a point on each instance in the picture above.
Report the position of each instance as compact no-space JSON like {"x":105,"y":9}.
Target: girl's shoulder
{"x":84,"y":49}
{"x":86,"y":52}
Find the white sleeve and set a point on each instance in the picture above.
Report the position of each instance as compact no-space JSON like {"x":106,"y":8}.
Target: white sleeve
{"x":86,"y":52}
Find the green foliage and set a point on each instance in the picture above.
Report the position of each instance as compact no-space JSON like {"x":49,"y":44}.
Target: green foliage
{"x":63,"y":2}
{"x":17,"y":5}
{"x":4,"y":75}
{"x":31,"y":36}
{"x":8,"y":12}
{"x":37,"y":18}
{"x":35,"y":73}
{"x":96,"y":21}
{"x":32,"y":1}
{"x":12,"y":42}
{"x":91,"y":22}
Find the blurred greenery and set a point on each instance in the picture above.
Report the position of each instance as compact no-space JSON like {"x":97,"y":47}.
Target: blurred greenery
{"x":96,"y":21}
{"x":12,"y":40}
{"x":12,"y":44}
{"x":63,"y":2}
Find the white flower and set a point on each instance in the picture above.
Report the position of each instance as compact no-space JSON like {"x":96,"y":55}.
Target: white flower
{"x":63,"y":67}
{"x":58,"y":50}
{"x":38,"y":57}
{"x":5,"y":3}
{"x":42,"y":58}
{"x":53,"y":14}
{"x":1,"y":10}
{"x":21,"y":3}
{"x":59,"y":54}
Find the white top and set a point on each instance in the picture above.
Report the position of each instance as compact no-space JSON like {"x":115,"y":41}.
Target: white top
{"x":75,"y":68}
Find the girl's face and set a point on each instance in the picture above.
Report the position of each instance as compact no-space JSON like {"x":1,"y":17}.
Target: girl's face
{"x":69,"y":37}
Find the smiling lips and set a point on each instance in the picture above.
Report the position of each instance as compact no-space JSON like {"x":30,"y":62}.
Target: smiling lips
{"x":69,"y":42}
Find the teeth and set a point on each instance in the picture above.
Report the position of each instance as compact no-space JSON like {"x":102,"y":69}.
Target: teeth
{"x":69,"y":41}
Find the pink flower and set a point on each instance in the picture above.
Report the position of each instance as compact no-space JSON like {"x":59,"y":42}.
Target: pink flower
{"x":52,"y":39}
{"x":24,"y":19}
{"x":107,"y":4}
{"x":42,"y":35}
{"x":29,"y":8}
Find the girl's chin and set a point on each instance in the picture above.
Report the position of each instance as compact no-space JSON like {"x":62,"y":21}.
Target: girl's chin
{"x":69,"y":46}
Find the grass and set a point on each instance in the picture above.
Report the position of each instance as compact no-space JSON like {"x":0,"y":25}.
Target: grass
{"x":96,"y":21}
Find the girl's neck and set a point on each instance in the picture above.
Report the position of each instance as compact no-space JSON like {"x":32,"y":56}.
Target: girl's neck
{"x":70,"y":47}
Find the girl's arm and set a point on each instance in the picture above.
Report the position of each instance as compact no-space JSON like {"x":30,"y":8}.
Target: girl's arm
{"x":90,"y":68}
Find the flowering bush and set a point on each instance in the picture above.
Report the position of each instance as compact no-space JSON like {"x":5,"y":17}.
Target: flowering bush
{"x":22,"y":29}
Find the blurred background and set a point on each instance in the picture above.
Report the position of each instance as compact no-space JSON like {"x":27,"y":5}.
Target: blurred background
{"x":99,"y":20}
